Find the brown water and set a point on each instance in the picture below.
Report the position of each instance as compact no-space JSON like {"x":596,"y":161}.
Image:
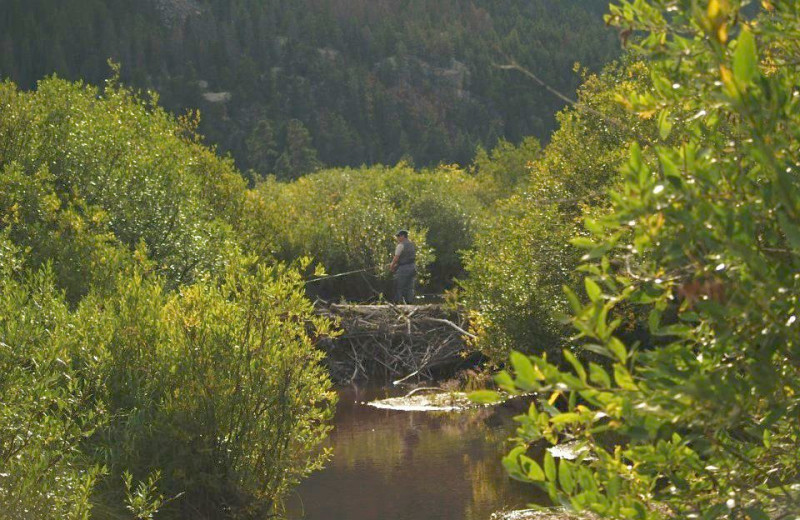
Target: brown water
{"x":393,"y":465}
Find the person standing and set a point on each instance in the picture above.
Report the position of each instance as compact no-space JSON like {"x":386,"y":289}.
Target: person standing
{"x":404,"y":267}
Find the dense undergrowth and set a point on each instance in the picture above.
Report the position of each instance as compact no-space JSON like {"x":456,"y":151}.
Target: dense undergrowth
{"x":699,"y":246}
{"x":148,"y":363}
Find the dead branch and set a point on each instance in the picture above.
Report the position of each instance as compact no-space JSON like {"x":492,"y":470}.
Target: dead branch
{"x":384,"y":341}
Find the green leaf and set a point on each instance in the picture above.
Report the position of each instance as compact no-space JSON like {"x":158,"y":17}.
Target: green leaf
{"x":592,"y":289}
{"x":577,"y":365}
{"x":511,"y":464}
{"x":484,"y":397}
{"x":504,"y":381}
{"x":616,"y":346}
{"x":593,"y":225}
{"x":623,"y":378}
{"x":598,"y":375}
{"x":574,"y":302}
{"x":549,"y":467}
{"x":664,"y":124}
{"x":531,"y":468}
{"x":653,"y":321}
{"x":565,"y":477}
{"x":668,"y":165}
{"x":767,"y":438}
{"x":583,"y":242}
{"x":636,"y":156}
{"x":565,"y":418}
{"x":598,"y":349}
{"x":523,"y":368}
{"x":745,"y":58}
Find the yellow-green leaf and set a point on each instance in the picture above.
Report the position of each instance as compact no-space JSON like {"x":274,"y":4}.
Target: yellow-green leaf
{"x":549,"y":467}
{"x":592,"y":289}
{"x":524,"y":369}
{"x":745,"y":58}
{"x":623,"y":378}
{"x":617,"y":347}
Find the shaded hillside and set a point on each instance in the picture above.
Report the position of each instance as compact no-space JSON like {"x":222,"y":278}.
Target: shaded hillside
{"x":288,"y":85}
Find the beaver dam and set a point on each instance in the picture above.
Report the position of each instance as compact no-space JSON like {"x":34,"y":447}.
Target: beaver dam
{"x":395,"y":342}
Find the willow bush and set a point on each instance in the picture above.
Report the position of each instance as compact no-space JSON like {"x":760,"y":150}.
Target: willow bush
{"x":522,"y":255}
{"x":149,"y":367}
{"x":702,"y":422}
{"x":83,"y":169}
{"x":47,"y":409}
{"x":217,"y":387}
{"x":345,"y":219}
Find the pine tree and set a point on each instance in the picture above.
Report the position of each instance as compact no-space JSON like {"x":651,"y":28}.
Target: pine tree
{"x":261,"y":147}
{"x":299,"y":155}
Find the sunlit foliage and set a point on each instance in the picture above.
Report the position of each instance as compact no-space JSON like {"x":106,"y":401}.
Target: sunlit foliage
{"x":149,"y":366}
{"x":704,"y":235}
{"x":345,"y":219}
{"x":217,"y":387}
{"x":523,"y":256}
{"x":47,"y":409}
{"x":82,"y":176}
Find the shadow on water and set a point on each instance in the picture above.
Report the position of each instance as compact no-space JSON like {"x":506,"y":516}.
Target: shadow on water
{"x":393,"y":465}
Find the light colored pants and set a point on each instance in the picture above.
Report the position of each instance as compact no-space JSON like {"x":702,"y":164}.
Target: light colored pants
{"x":404,"y":283}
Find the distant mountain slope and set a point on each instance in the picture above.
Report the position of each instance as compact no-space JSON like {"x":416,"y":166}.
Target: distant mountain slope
{"x":285,"y":85}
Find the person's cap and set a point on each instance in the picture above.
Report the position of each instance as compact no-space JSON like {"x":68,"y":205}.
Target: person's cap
{"x":402,"y":233}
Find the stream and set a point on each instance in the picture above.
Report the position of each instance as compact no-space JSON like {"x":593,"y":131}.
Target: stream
{"x":396,"y":465}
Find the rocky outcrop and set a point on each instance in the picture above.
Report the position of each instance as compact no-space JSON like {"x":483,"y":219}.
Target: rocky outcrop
{"x":415,"y":73}
{"x":217,"y":97}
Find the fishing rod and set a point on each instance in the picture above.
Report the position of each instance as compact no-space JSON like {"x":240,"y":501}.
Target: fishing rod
{"x":339,"y":275}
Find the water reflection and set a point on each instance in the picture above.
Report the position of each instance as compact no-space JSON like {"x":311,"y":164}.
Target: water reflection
{"x":392,"y":465}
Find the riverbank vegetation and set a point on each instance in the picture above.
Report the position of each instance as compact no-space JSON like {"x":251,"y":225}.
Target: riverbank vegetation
{"x":345,"y":220}
{"x":638,"y":270}
{"x":700,"y":237}
{"x":148,"y":363}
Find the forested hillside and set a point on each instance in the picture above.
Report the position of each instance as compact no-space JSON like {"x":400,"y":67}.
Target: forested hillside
{"x":287,"y":86}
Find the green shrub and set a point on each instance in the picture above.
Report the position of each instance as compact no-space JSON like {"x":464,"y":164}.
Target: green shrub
{"x":703,"y":422}
{"x":218,"y":387}
{"x":345,"y":219}
{"x":522,"y":255}
{"x":134,"y":334}
{"x":505,"y":168}
{"x":83,"y":168}
{"x":47,"y":410}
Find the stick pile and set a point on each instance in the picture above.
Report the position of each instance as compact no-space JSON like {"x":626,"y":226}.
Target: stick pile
{"x":393,"y":342}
